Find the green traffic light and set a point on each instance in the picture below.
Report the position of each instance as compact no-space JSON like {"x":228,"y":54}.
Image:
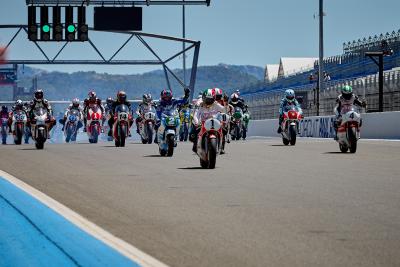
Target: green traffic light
{"x":46,"y":28}
{"x":71,"y":28}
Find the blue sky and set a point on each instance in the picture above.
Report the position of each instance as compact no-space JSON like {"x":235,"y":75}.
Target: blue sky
{"x":254,"y":32}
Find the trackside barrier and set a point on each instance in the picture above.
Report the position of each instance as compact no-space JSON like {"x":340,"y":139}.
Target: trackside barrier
{"x":384,"y":125}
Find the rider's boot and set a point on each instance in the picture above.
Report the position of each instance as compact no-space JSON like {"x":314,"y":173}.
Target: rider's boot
{"x":279,"y":130}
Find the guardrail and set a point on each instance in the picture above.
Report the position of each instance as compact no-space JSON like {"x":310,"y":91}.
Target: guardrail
{"x":384,"y":125}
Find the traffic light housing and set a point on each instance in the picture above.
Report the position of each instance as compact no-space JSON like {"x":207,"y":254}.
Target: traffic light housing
{"x":32,"y":26}
{"x":57,"y":26}
{"x":44,"y":24}
{"x":82,"y":26}
{"x":70,"y":28}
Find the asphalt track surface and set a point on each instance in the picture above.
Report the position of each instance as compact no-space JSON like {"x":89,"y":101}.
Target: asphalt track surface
{"x":264,"y":205}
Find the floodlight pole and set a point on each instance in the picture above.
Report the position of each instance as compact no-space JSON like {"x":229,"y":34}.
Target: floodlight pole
{"x":183,"y":44}
{"x":372,"y":56}
{"x":321,"y":52}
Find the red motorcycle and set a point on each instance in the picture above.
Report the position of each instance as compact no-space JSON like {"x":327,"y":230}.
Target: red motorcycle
{"x":93,"y":128}
{"x":290,"y":125}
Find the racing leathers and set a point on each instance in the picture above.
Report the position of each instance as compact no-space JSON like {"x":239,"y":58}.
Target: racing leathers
{"x":111,"y":121}
{"x":172,"y":104}
{"x":282,"y":106}
{"x":86,"y":103}
{"x":342,"y":103}
{"x":72,"y":107}
{"x":203,"y":113}
{"x":42,"y":103}
{"x":141,"y":110}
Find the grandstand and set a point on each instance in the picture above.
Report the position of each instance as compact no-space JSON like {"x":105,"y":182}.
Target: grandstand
{"x":352,"y":67}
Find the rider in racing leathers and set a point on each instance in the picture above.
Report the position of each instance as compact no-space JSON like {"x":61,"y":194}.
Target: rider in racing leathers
{"x":289,"y":99}
{"x":121,"y":99}
{"x":168,"y":102}
{"x":75,"y":104}
{"x":207,"y":109}
{"x":147,"y":102}
{"x":39,"y":101}
{"x":90,"y":100}
{"x":346,"y":98}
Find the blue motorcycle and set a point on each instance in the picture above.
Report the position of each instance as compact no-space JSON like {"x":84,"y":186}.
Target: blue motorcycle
{"x":166,"y":133}
{"x":72,"y":124}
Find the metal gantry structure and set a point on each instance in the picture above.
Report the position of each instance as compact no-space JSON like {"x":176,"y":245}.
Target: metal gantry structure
{"x":103,"y":60}
{"x":187,"y":44}
{"x":119,"y":2}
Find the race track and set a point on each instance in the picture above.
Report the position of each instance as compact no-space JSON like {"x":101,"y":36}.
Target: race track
{"x":264,"y":205}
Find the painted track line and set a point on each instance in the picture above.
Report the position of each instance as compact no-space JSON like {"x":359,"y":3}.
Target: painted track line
{"x":114,"y":242}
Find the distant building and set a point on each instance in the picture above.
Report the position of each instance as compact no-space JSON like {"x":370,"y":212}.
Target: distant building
{"x":291,"y":65}
{"x":271,"y":72}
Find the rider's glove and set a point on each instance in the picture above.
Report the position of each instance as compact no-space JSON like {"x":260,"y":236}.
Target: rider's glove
{"x":187,"y":92}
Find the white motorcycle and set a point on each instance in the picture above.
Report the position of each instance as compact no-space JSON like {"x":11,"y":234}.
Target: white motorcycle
{"x":146,"y":126}
{"x":348,"y":131}
{"x":209,"y":141}
{"x":40,"y":127}
{"x":19,"y":120}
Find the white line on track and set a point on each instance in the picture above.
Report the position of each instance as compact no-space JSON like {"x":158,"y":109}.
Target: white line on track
{"x":116,"y":243}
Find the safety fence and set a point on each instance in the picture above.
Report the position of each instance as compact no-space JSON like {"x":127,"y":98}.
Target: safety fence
{"x":265,"y":105}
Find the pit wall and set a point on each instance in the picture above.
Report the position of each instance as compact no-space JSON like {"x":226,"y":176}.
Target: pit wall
{"x":385,"y":125}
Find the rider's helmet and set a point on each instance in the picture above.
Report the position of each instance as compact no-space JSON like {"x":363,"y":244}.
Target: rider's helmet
{"x":75,"y":102}
{"x":218,"y":94}
{"x":19,"y":104}
{"x":39,"y":95}
{"x":121,"y":96}
{"x":166,"y":95}
{"x":235,"y":98}
{"x":347,"y":92}
{"x":149,"y":99}
{"x":209,"y":97}
{"x":109,"y":100}
{"x":289,"y":95}
{"x":237,"y":92}
{"x":4,"y":108}
{"x":92,"y":96}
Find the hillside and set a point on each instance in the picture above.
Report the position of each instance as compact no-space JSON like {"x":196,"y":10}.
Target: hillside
{"x":59,"y":85}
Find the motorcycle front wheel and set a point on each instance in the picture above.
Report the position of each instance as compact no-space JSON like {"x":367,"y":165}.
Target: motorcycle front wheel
{"x":352,"y":140}
{"x":292,"y":134}
{"x":212,"y":153}
{"x":171,"y":143}
{"x":18,"y":135}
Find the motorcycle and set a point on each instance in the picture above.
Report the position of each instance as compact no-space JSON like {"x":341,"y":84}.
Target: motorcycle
{"x":39,"y":126}
{"x":290,"y":125}
{"x":225,"y":132}
{"x":209,"y":141}
{"x":185,"y":118}
{"x":146,"y":126}
{"x":246,"y":120}
{"x":4,"y":128}
{"x":121,"y":125}
{"x":93,"y":125}
{"x":348,"y":131}
{"x":167,"y":132}
{"x":19,"y":121}
{"x":237,"y":124}
{"x":71,"y":125}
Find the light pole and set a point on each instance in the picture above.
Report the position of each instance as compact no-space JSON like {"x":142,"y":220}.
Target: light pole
{"x":184,"y":44}
{"x":321,"y":52}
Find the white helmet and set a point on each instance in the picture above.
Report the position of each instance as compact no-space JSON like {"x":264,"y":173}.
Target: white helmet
{"x":75,"y":102}
{"x":234,"y":98}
